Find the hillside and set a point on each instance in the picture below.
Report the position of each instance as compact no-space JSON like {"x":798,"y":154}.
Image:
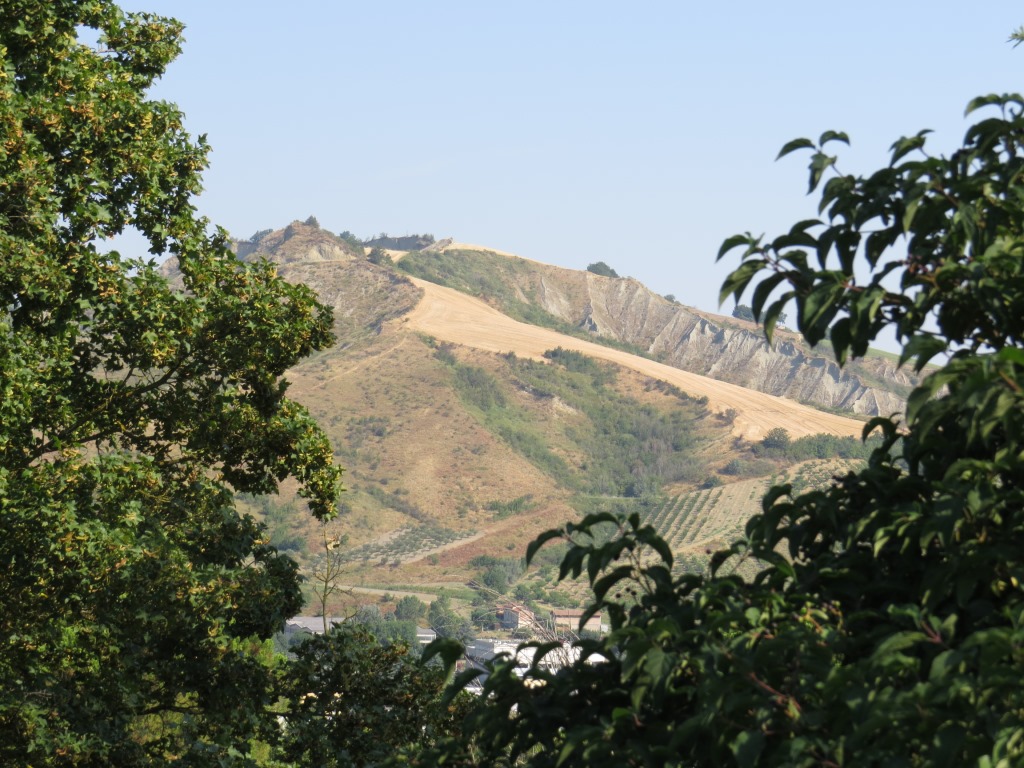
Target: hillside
{"x":465,"y":431}
{"x":624,"y":310}
{"x":456,"y":317}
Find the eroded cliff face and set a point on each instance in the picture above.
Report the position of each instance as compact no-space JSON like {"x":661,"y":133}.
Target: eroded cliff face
{"x":722,"y":348}
{"x":299,"y":243}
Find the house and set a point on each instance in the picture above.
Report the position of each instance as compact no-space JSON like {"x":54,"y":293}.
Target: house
{"x":513,"y":616}
{"x":568,"y":619}
{"x":311,"y":624}
{"x":425,"y":636}
{"x":483,"y":650}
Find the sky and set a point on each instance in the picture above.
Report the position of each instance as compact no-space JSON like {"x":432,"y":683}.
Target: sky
{"x":639,"y":134}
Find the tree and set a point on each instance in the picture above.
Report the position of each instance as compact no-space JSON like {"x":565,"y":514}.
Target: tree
{"x":600,"y":268}
{"x":744,"y":312}
{"x":776,"y":439}
{"x":446,"y":622}
{"x":386,"y":628}
{"x":326,"y":572}
{"x":886,"y":625}
{"x":380,"y":257}
{"x":410,"y":608}
{"x":353,"y":701}
{"x":134,"y":595}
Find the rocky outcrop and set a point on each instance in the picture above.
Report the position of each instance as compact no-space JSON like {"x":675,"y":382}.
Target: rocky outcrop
{"x":299,"y":242}
{"x":362,"y":295}
{"x":722,"y":348}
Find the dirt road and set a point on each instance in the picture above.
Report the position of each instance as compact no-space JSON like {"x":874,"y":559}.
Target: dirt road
{"x":453,"y":316}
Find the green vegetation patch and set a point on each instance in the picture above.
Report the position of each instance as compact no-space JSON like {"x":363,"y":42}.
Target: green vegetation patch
{"x":605,"y":443}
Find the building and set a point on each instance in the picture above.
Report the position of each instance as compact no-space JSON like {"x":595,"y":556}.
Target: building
{"x":568,"y":620}
{"x":311,"y":624}
{"x":513,"y":616}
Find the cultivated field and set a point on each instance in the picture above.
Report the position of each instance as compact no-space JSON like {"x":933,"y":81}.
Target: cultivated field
{"x":698,"y":523}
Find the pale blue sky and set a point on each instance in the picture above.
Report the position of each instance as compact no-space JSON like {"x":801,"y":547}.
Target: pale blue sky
{"x":638,"y":134}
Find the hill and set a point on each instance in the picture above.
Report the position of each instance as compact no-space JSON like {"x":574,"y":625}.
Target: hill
{"x":466,"y":429}
{"x":624,"y":310}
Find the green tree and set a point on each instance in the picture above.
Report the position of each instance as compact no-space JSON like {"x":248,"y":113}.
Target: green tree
{"x":776,"y":439}
{"x":380,"y":257}
{"x":600,"y":268}
{"x":130,"y":413}
{"x":446,"y":622}
{"x":887,"y":623}
{"x":743,"y":312}
{"x":354,"y":702}
{"x":410,"y":608}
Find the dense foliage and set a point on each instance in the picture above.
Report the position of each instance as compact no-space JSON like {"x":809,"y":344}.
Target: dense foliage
{"x":744,"y":312}
{"x":130,"y":413}
{"x":600,"y":268}
{"x":354,"y":702}
{"x":888,"y":623}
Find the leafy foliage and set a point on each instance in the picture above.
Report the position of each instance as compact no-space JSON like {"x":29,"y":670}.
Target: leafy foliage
{"x":600,"y":268}
{"x":380,"y":257}
{"x":628,"y":448}
{"x":446,"y":622}
{"x":410,"y":608}
{"x":387,"y":628}
{"x":353,"y":701}
{"x":499,"y":573}
{"x":352,"y":240}
{"x":776,"y":439}
{"x":887,"y":625}
{"x":743,"y":312}
{"x":130,"y":413}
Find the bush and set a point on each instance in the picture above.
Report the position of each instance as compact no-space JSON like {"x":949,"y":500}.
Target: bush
{"x":777,"y":439}
{"x":600,"y":268}
{"x":380,"y":257}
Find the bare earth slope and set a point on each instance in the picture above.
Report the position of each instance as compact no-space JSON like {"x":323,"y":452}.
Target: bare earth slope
{"x":625,"y":310}
{"x":453,"y":316}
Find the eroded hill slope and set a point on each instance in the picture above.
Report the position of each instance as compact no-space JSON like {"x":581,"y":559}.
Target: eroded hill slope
{"x":624,"y":310}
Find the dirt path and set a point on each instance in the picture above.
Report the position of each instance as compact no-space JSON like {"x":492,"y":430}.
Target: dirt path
{"x":453,"y":316}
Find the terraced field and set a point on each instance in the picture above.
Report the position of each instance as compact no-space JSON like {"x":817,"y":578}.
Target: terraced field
{"x":698,"y":523}
{"x":407,"y":544}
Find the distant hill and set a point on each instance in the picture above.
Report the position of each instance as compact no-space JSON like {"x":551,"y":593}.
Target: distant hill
{"x":470,"y":421}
